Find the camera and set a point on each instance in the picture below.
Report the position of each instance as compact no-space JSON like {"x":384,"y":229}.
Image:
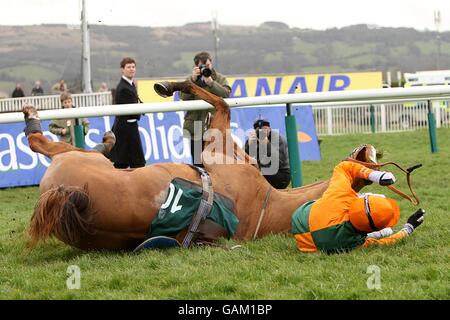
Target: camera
{"x":204,"y":70}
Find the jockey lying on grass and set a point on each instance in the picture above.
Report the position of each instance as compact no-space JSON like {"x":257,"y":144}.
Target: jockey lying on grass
{"x":342,"y":220}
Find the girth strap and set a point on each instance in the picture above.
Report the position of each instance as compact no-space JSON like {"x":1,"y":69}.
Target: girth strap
{"x":376,"y":166}
{"x":263,"y":211}
{"x":204,"y":208}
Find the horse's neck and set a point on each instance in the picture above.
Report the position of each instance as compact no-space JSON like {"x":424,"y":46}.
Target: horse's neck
{"x":283,"y":204}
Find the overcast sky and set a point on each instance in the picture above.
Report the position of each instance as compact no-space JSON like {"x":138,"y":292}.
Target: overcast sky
{"x":314,"y":14}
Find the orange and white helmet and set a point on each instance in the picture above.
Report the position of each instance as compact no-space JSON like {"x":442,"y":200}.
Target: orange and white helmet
{"x":373,"y":213}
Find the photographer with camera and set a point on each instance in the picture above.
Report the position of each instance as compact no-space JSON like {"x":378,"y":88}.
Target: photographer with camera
{"x":197,"y":122}
{"x":269,"y":148}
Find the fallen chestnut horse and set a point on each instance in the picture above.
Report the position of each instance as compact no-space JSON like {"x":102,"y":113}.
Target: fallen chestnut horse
{"x":87,"y":203}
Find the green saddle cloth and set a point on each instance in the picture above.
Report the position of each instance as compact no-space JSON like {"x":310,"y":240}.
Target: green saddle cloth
{"x":182,"y":202}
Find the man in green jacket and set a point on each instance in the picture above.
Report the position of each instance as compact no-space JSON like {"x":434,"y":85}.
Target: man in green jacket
{"x":64,"y":128}
{"x":198,"y":121}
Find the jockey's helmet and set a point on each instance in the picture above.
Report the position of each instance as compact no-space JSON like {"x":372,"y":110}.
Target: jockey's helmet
{"x":373,"y":212}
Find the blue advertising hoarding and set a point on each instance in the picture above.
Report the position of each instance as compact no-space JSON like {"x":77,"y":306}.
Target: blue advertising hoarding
{"x":161,"y":135}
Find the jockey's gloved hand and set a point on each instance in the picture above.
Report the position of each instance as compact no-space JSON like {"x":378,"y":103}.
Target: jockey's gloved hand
{"x":383,"y":178}
{"x":415,"y":220}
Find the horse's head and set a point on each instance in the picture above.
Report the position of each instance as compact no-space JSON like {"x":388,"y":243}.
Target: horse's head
{"x":366,"y":153}
{"x":369,"y":155}
{"x":64,"y":212}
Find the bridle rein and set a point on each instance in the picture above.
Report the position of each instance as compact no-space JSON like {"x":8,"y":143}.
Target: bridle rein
{"x":414,"y":199}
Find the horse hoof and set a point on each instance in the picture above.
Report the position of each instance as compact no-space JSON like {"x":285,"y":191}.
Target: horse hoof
{"x":109,"y":137}
{"x":166,"y":89}
{"x":30,"y":112}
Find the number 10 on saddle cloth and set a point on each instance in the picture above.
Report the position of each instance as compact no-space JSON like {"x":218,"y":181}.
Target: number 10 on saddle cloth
{"x":181,"y":203}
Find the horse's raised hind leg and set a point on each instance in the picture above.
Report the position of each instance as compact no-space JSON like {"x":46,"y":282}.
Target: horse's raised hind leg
{"x":40,"y":144}
{"x":240,"y":154}
{"x":222,"y":108}
{"x":221,"y":120}
{"x":37,"y":141}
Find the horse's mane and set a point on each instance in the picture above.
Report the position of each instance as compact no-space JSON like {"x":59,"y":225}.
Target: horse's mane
{"x":64,"y":212}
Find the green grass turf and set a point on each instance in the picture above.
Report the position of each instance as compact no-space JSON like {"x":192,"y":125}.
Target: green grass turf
{"x":270,"y":268}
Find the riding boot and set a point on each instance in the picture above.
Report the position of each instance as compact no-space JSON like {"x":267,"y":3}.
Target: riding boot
{"x":166,"y":89}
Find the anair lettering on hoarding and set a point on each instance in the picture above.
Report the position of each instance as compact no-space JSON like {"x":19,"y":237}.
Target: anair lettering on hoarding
{"x":267,"y":86}
{"x":253,"y":86}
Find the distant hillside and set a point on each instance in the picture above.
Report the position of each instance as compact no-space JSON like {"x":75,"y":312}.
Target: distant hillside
{"x":51,"y":52}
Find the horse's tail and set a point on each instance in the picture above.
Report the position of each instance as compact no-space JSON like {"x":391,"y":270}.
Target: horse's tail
{"x":63,"y":212}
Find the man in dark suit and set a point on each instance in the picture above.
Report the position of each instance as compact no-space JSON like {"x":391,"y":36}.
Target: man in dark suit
{"x":127,"y":152}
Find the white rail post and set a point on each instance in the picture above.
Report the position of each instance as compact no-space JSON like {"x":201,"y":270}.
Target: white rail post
{"x":437,"y":112}
{"x":329,"y":121}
